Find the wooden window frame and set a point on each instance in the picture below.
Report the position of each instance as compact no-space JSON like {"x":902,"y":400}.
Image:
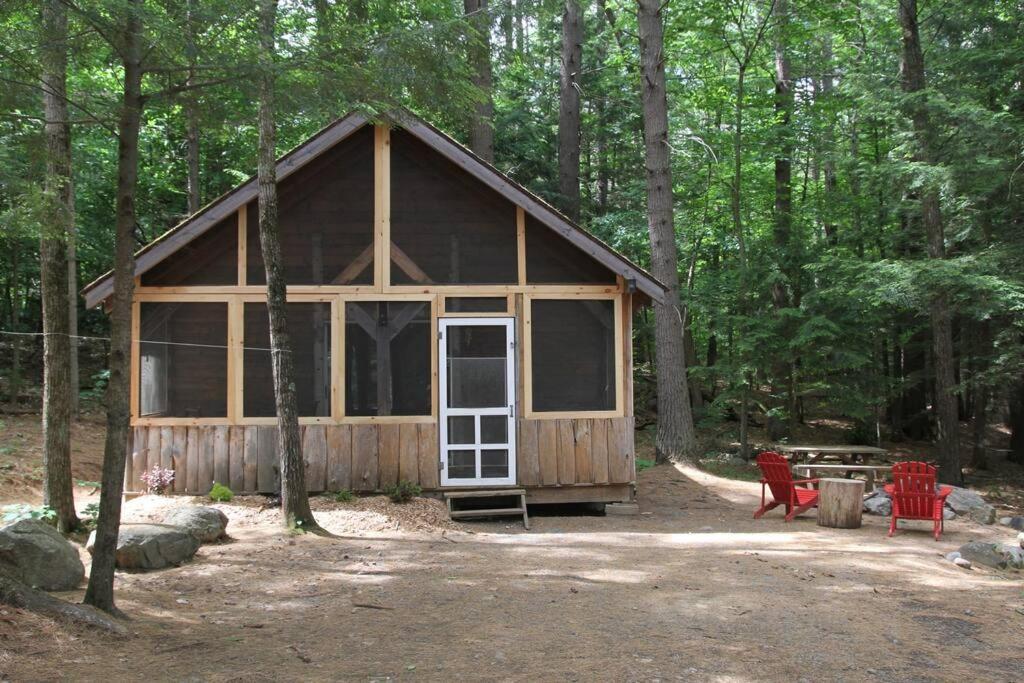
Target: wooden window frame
{"x":527,"y":357}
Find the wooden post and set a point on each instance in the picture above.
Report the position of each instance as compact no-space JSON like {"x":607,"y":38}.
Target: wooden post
{"x":840,"y":502}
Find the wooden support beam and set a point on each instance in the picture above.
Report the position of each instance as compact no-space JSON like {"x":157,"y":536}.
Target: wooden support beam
{"x":521,"y":243}
{"x":136,"y":366}
{"x":235,"y":358}
{"x":408,"y":266}
{"x":243,"y":244}
{"x":355,"y":269}
{"x":382,"y":207}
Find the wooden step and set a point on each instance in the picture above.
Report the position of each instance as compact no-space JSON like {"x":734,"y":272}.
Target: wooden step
{"x":489,"y":512}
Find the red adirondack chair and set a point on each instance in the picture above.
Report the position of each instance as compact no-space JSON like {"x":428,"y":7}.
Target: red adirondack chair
{"x":778,"y":478}
{"x":914,"y":495}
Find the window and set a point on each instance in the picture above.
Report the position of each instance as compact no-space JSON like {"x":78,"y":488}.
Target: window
{"x":387,"y":358}
{"x":183,"y":360}
{"x":573,"y":351}
{"x":446,"y":226}
{"x":551,"y":259}
{"x":210,"y":259}
{"x":476,"y":304}
{"x":309,"y":331}
{"x":325,"y":219}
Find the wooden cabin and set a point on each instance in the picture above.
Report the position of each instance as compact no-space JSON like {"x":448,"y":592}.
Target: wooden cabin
{"x":448,"y":328}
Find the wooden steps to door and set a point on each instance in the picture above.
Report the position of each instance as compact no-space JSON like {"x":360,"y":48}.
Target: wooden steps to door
{"x":451,"y":496}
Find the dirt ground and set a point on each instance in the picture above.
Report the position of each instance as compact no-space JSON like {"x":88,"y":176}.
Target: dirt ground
{"x":691,"y":589}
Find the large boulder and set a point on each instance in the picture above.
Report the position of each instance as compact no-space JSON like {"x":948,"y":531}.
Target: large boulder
{"x":36,"y":554}
{"x":995,"y":555}
{"x":1015,"y":522}
{"x":151,"y":546}
{"x":966,"y":502}
{"x":205,"y":523}
{"x":878,"y":503}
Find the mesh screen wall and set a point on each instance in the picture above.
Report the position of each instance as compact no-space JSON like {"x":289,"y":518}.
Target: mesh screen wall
{"x":387,"y":358}
{"x":451,"y":227}
{"x":210,"y":259}
{"x":183,"y":359}
{"x":551,"y":259}
{"x":309,"y":331}
{"x":573,"y":349}
{"x":326,"y":219}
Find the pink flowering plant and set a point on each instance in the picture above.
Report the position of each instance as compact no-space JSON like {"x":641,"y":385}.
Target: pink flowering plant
{"x":158,"y":480}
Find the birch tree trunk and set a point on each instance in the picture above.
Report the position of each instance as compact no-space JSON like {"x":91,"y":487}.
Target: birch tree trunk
{"x":481,"y":127}
{"x":569,"y":109}
{"x":53,"y":256}
{"x":912,"y":79}
{"x":100,"y":591}
{"x":192,"y":114}
{"x":676,"y":437}
{"x":294,"y":499}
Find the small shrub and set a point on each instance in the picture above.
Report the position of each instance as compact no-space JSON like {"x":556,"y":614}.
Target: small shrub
{"x":90,"y":514}
{"x":157,"y":480}
{"x":403,"y":491}
{"x":344,"y":496}
{"x":19,"y":511}
{"x":220,"y":493}
{"x":642,"y":464}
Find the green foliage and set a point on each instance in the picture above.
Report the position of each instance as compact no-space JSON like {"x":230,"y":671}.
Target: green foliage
{"x":730,"y":468}
{"x":343,"y":496}
{"x":16,"y":512}
{"x":403,"y":491}
{"x":220,"y":493}
{"x":643,"y":464}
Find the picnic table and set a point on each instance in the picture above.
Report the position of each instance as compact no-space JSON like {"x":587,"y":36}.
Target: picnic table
{"x":870,"y":471}
{"x":847,"y":453}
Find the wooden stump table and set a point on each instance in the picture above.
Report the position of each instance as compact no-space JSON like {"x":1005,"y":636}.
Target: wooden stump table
{"x":840,"y":502}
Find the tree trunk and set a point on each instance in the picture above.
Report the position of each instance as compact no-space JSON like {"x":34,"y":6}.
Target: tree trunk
{"x":100,"y":592}
{"x":192,"y":116}
{"x":676,"y":437}
{"x":53,"y":257}
{"x":1017,"y":423}
{"x":17,"y":594}
{"x":569,"y":109}
{"x":912,"y":78}
{"x":294,"y":499}
{"x":481,"y":127}
{"x":828,"y":163}
{"x":777,"y":426}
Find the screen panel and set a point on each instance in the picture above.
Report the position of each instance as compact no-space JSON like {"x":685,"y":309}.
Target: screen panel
{"x":210,"y":259}
{"x":325,"y":217}
{"x":388,"y":358}
{"x":446,"y":226}
{"x":552,"y":259}
{"x":183,"y":359}
{"x":475,"y":304}
{"x":309,"y":331}
{"x":573,"y":351}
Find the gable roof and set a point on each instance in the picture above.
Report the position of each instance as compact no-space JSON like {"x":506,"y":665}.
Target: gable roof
{"x":227,"y":204}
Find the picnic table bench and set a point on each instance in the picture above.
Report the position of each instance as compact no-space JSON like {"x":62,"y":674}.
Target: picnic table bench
{"x":847,"y":453}
{"x":870,"y":471}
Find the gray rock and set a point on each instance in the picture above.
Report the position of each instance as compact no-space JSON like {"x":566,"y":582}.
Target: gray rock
{"x":966,"y":502}
{"x":1020,"y":539}
{"x":879,"y":503}
{"x":205,"y":523}
{"x":995,"y":555}
{"x":151,"y":546}
{"x":36,"y":554}
{"x":961,"y":562}
{"x":1015,"y":522}
{"x":1016,"y":554}
{"x":953,"y":556}
{"x":948,"y":514}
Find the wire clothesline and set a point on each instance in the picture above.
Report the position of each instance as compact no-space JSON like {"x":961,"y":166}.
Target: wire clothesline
{"x":141,"y":341}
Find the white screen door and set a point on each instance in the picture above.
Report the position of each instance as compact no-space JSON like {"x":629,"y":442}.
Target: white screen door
{"x":478,"y":400}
